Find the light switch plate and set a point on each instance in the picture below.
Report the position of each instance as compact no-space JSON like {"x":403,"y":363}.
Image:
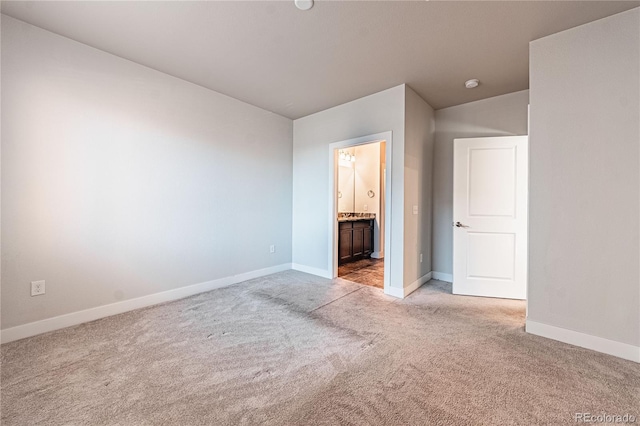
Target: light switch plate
{"x":415,"y":209}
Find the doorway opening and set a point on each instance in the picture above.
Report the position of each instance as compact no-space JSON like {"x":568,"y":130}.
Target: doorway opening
{"x":360,"y":210}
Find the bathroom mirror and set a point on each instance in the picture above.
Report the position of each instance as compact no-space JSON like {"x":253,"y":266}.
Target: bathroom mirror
{"x":359,"y":178}
{"x":346,"y":187}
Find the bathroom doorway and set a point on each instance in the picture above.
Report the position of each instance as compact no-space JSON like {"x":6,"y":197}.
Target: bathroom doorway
{"x":360,"y":212}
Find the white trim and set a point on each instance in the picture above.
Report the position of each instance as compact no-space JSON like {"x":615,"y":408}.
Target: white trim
{"x":92,"y":314}
{"x":378,"y":254}
{"x":417,"y":284}
{"x":387,"y":137}
{"x":311,"y":270}
{"x":394,"y":291}
{"x":599,"y":344}
{"x":442,"y":276}
{"x":404,"y":292}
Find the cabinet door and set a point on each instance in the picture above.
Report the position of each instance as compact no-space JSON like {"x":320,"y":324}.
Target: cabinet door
{"x":345,"y":246}
{"x":358,"y":242}
{"x":368,"y":241}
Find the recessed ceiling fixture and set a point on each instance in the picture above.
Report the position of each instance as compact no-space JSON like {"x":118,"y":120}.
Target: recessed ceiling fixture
{"x":470,"y":84}
{"x":304,"y":4}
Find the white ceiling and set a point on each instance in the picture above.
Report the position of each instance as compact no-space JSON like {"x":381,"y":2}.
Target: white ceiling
{"x":294,"y":63}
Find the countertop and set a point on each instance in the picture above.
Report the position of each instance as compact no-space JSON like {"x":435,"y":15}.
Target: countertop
{"x":354,"y":217}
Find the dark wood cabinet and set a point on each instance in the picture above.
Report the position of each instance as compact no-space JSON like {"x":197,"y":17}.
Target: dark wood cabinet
{"x":368,"y":240}
{"x":345,"y":246}
{"x":355,"y":240}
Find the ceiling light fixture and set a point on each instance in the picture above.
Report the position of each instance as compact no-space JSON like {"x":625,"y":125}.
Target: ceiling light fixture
{"x":304,"y":4}
{"x":473,"y":83}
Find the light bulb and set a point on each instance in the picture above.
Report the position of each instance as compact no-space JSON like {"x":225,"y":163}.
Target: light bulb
{"x":342,"y":156}
{"x":353,"y":158}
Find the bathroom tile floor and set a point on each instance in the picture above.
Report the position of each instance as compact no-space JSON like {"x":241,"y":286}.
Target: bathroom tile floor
{"x":365,"y":271}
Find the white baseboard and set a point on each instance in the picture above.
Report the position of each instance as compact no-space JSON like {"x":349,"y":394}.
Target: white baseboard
{"x":395,"y":292}
{"x":598,"y":344}
{"x":311,"y":270}
{"x":92,"y":314}
{"x":404,"y":292}
{"x":417,"y":283}
{"x":377,"y":255}
{"x":442,"y":276}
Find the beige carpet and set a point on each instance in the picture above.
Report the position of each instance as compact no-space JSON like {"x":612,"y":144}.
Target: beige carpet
{"x":293,"y":349}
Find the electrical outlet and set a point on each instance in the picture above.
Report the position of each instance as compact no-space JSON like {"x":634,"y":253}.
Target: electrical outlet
{"x":366,"y":207}
{"x":37,"y":288}
{"x":415,"y":209}
{"x":420,"y":257}
{"x":272,"y":249}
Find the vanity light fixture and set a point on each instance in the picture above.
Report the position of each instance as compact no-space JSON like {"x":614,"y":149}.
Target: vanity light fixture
{"x":345,"y":156}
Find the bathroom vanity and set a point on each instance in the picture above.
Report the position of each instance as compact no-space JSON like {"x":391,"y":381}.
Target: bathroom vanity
{"x":355,"y":236}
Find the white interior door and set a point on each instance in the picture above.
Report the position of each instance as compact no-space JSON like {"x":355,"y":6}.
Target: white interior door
{"x":490,"y":194}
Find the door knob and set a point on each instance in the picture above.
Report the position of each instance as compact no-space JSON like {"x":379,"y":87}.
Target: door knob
{"x":459,"y":225}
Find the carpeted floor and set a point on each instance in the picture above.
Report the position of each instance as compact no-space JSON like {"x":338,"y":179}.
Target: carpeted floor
{"x":365,"y":271}
{"x":294,"y":349}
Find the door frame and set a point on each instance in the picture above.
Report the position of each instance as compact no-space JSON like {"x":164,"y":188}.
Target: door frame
{"x":333,"y":200}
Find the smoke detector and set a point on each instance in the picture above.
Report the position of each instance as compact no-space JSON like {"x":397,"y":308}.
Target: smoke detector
{"x":470,"y":84}
{"x":304,"y":4}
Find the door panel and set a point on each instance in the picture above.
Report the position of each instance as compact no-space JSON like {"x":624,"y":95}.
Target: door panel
{"x":491,"y":255}
{"x":368,"y":240}
{"x":490,"y":209}
{"x":492,"y":182}
{"x":358,"y":242}
{"x":345,"y":247}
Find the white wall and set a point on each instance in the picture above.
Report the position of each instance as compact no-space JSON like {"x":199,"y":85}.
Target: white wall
{"x":584,"y":258}
{"x":411,"y":120}
{"x":377,"y":113}
{"x":504,"y":115}
{"x":418,"y":178}
{"x":119,"y":181}
{"x":367,"y":178}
